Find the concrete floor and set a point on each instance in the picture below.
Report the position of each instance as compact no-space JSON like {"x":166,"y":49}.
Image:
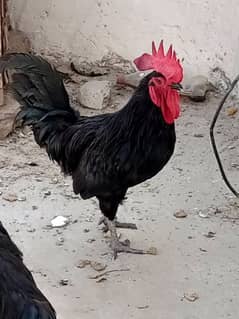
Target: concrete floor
{"x":153,"y":286}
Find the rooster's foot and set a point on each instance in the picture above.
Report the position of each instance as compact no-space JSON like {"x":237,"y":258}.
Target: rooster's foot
{"x":119,"y":246}
{"x":124,"y":247}
{"x":104,"y":219}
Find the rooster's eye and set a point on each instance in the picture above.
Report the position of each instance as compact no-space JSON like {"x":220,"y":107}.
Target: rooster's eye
{"x":156,"y":82}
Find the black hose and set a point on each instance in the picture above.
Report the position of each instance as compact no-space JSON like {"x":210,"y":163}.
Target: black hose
{"x":232,"y":189}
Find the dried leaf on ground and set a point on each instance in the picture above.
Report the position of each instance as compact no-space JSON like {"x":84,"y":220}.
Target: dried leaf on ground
{"x":180,"y":214}
{"x":232,"y":110}
{"x":210,"y":234}
{"x":192,"y":296}
{"x":83,"y":263}
{"x":152,"y":251}
{"x":94,"y":264}
{"x":98,"y":266}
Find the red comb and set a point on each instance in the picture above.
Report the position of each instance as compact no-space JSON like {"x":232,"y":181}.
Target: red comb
{"x":168,"y":65}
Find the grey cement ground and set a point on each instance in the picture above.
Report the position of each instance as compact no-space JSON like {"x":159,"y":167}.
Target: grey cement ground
{"x":154,"y":286}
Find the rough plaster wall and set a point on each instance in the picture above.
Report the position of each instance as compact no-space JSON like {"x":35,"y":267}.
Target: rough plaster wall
{"x":204,"y":33}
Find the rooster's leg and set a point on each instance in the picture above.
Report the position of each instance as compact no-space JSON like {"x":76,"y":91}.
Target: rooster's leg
{"x":118,"y":246}
{"x":103,"y":220}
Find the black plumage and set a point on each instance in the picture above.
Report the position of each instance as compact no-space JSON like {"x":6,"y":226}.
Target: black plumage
{"x":19,"y":296}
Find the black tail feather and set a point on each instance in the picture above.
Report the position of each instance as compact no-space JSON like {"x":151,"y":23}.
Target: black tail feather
{"x":42,"y":76}
{"x":40,"y":90}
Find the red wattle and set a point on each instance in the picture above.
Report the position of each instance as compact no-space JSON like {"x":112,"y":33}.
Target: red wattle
{"x":167,"y":100}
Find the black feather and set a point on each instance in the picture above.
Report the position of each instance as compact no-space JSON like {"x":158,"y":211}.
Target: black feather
{"x":39,"y":89}
{"x":19,"y":296}
{"x":41,"y":75}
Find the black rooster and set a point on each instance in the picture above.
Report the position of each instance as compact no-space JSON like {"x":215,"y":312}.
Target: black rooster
{"x":105,"y":154}
{"x":19,"y":296}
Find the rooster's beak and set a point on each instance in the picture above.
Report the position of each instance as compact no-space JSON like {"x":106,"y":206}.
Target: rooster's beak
{"x":176,"y":86}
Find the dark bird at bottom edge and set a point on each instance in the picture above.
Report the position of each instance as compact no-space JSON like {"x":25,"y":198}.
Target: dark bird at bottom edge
{"x":108,"y":153}
{"x":19,"y":296}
